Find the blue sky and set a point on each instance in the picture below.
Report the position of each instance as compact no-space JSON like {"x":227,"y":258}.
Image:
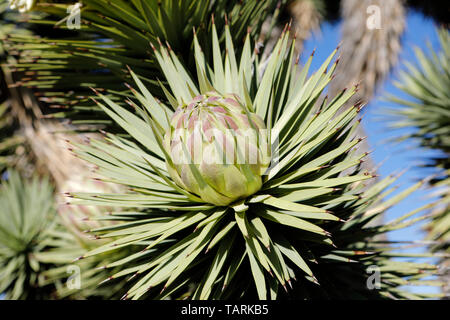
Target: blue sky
{"x":394,"y":157}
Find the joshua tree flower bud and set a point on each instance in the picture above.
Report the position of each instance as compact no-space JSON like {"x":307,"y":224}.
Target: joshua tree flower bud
{"x":218,"y":149}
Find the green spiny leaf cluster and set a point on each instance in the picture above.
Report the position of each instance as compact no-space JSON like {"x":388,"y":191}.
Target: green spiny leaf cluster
{"x":27,"y":227}
{"x":38,"y":248}
{"x":305,"y":234}
{"x":427,"y":111}
{"x":61,"y":66}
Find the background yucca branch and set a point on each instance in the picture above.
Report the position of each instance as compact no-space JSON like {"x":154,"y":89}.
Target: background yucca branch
{"x":311,"y":230}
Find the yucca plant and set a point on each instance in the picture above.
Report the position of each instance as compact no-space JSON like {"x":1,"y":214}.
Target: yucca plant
{"x":427,"y":111}
{"x":77,"y":221}
{"x":271,"y":203}
{"x":10,"y":144}
{"x":12,"y":151}
{"x":369,"y":52}
{"x":33,"y":146}
{"x":27,"y":227}
{"x":61,"y":66}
